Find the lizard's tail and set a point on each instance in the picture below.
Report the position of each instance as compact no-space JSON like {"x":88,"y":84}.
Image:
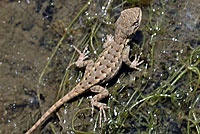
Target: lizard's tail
{"x":64,"y":99}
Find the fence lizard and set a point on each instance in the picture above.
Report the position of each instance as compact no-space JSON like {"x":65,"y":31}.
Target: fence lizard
{"x":105,"y":67}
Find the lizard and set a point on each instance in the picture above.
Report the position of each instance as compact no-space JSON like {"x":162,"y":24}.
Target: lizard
{"x":115,"y":51}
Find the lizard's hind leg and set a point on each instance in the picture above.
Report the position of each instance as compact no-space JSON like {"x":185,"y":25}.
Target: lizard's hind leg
{"x":102,"y":93}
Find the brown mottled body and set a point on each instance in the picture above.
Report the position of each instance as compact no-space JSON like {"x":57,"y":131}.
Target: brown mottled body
{"x":105,"y":67}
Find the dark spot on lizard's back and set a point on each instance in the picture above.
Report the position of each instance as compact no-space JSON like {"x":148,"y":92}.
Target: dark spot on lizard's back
{"x":103,"y":71}
{"x":96,"y":77}
{"x":89,"y":82}
{"x":108,"y":66}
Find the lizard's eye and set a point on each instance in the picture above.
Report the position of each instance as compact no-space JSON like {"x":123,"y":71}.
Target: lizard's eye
{"x":136,"y":23}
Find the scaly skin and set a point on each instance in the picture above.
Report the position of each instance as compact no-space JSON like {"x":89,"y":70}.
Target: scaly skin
{"x":105,"y":67}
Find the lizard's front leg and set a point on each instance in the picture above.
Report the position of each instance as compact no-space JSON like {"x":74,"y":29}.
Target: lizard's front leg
{"x":126,"y":60}
{"x":81,"y":62}
{"x":102,"y":93}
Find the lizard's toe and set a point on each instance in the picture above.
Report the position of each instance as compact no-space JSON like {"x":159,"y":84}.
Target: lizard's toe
{"x":136,"y":63}
{"x":102,"y":114}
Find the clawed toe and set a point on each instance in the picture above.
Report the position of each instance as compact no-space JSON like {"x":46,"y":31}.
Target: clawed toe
{"x":136,"y":62}
{"x":102,"y":113}
{"x":82,"y":57}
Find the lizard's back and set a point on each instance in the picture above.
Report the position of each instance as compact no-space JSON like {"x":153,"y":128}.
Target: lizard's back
{"x":107,"y":64}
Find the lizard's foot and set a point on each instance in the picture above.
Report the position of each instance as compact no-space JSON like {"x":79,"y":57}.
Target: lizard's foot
{"x":82,"y":57}
{"x":102,"y":93}
{"x":136,"y":62}
{"x":126,"y":60}
{"x":102,"y":112}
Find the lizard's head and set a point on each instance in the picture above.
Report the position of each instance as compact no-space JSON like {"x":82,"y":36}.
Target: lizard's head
{"x":129,"y":21}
